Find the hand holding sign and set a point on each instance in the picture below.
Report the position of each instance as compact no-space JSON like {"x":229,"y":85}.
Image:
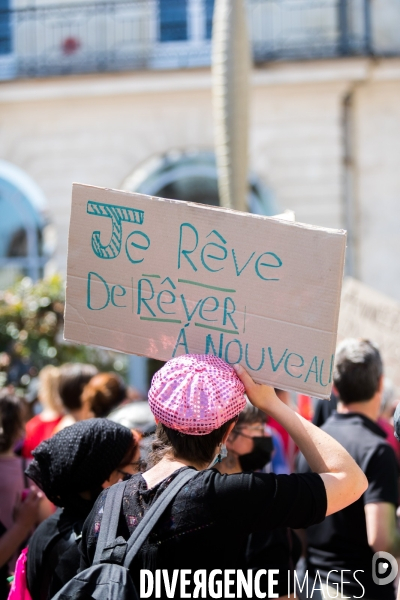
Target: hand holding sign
{"x":161,"y":278}
{"x":261,"y":396}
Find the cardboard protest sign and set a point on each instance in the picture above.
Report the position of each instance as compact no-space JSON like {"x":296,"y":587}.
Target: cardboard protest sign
{"x":160,"y":278}
{"x":369,"y":314}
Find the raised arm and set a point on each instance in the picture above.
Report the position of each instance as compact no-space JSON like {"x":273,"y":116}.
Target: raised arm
{"x":343,"y":479}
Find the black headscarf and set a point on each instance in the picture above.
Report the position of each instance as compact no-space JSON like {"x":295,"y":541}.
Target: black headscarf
{"x":77,"y":459}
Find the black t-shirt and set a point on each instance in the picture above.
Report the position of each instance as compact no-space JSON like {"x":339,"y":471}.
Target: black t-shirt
{"x":278,"y":549}
{"x":208,"y":523}
{"x":323,"y":410}
{"x":53,"y":554}
{"x":341,"y":541}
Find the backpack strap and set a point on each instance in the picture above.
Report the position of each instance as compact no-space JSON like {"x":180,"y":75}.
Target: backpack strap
{"x":154,"y":513}
{"x":110,"y":519}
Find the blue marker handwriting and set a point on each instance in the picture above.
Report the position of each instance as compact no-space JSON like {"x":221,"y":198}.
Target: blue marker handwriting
{"x":234,"y":351}
{"x":214,"y":312}
{"x":209,"y":255}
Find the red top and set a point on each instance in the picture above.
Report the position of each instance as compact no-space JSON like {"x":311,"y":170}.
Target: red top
{"x":37,"y":430}
{"x":289,"y":447}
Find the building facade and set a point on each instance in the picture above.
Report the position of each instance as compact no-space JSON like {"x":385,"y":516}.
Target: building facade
{"x":118,"y":94}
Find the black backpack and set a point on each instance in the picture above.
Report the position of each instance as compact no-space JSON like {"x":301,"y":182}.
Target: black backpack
{"x":108,"y":578}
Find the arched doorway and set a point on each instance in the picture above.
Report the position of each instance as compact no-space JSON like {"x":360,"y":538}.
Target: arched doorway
{"x":191,"y":175}
{"x":22,"y":226}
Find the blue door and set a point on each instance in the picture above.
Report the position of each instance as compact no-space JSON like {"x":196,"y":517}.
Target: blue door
{"x":5,"y":27}
{"x":173,"y":20}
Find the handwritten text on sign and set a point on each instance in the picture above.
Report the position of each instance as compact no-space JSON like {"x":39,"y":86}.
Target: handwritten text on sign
{"x":162,"y":278}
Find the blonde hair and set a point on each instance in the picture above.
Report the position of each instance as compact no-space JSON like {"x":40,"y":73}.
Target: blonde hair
{"x":48,"y":395}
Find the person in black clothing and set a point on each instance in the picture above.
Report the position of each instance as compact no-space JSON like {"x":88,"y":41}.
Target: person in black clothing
{"x":196,"y":400}
{"x":72,"y":468}
{"x":323,"y":410}
{"x":250,"y":449}
{"x":348,"y":539}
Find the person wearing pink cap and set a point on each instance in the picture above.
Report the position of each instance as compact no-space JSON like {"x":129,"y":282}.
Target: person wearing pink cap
{"x":196,"y":400}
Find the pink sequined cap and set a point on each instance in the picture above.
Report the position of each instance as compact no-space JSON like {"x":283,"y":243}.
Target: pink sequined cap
{"x":196,"y":394}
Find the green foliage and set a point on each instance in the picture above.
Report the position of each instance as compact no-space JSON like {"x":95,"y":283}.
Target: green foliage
{"x":31,"y":326}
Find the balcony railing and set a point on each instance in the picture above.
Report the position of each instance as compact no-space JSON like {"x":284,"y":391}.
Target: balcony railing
{"x":77,"y":37}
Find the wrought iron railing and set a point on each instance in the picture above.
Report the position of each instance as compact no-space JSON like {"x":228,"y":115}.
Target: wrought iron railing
{"x":81,"y":37}
{"x":300,"y":29}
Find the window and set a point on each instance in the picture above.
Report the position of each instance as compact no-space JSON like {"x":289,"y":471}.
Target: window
{"x":209,"y":10}
{"x":179,"y":19}
{"x":173,"y":20}
{"x":5,"y":27}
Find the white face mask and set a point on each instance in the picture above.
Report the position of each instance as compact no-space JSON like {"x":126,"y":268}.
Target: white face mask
{"x":223,"y":453}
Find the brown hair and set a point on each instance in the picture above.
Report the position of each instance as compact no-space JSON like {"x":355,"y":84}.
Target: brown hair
{"x":11,"y":419}
{"x":194,"y":448}
{"x":358,"y":370}
{"x":103,"y":393}
{"x":73,"y":378}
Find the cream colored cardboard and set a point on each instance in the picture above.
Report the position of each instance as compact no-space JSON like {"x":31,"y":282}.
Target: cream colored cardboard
{"x":369,"y":314}
{"x":161,"y":278}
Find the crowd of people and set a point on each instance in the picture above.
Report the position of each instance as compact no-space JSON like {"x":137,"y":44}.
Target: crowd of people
{"x":224,"y":473}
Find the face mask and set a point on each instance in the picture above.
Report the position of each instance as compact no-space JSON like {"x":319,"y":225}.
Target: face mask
{"x":259,"y":456}
{"x":223,"y":453}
